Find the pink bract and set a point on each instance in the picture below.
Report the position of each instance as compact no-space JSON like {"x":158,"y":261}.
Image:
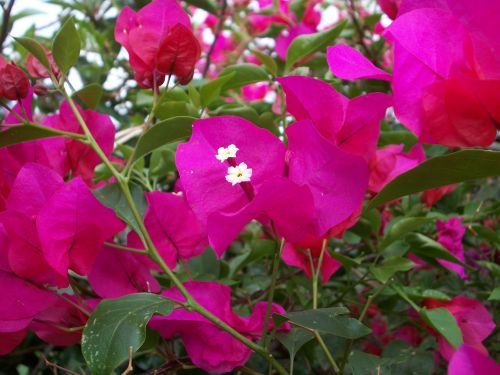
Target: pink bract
{"x":210,"y":348}
{"x":467,"y":360}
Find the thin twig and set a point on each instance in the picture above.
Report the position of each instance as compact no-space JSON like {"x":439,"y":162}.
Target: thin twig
{"x":5,"y":23}
{"x":129,"y":368}
{"x":218,"y":31}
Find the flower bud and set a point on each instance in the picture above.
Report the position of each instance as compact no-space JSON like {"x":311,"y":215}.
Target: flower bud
{"x":40,"y":89}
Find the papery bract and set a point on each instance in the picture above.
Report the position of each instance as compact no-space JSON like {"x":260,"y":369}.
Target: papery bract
{"x":467,"y":360}
{"x":63,"y":312}
{"x":297,"y":256}
{"x":336,"y":179}
{"x":450,"y":235}
{"x":203,"y":176}
{"x":116,"y":273}
{"x":14,"y":83}
{"x":390,"y":161}
{"x":432,"y":196}
{"x":472,"y":318}
{"x":159,"y":41}
{"x":210,"y":348}
{"x":347,"y":63}
{"x":352,"y":125}
{"x":81,"y":159}
{"x":73,"y":226}
{"x":446,"y":71}
{"x":289,"y":207}
{"x":173,"y":227}
{"x":20,"y":300}
{"x":25,"y":255}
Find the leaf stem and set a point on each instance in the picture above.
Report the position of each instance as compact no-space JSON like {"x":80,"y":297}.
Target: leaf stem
{"x":270,"y":296}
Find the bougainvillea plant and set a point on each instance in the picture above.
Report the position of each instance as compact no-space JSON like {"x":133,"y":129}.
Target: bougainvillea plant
{"x":251,"y":187}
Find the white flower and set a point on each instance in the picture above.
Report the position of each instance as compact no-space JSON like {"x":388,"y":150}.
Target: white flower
{"x":224,"y":153}
{"x":238,"y":174}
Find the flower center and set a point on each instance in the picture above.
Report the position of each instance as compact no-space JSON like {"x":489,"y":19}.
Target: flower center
{"x":238,"y":174}
{"x":224,"y":153}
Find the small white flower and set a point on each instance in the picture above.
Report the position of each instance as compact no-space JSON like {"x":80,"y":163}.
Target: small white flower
{"x":224,"y":153}
{"x":238,"y":174}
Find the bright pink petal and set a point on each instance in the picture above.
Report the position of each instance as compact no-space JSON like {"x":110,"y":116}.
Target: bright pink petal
{"x":348,"y":63}
{"x":469,"y":361}
{"x":360,"y":132}
{"x":288,"y":206}
{"x":315,"y":100}
{"x":73,"y":226}
{"x":117,"y":273}
{"x":455,"y":117}
{"x":433,"y":36}
{"x":203,"y":340}
{"x":176,"y":236}
{"x":25,"y":255}
{"x":38,"y":183}
{"x":203,"y":177}
{"x":337,"y":180}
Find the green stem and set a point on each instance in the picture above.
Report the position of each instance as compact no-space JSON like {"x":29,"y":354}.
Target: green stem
{"x":327,"y":352}
{"x":125,"y":248}
{"x":362,"y":316}
{"x":56,"y":132}
{"x":270,"y":296}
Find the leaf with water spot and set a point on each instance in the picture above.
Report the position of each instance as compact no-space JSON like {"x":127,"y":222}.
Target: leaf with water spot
{"x":117,"y":325}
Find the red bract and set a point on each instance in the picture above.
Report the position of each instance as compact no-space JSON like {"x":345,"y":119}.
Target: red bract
{"x":159,"y":41}
{"x":446,"y":71}
{"x":210,"y":348}
{"x":432,"y":196}
{"x":390,"y":161}
{"x":73,"y":226}
{"x":14,"y":83}
{"x":37,"y":70}
{"x":473,"y":319}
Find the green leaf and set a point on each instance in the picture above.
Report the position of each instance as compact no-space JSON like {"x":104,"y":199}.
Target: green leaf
{"x":112,"y":196}
{"x":36,"y":49}
{"x":443,"y":322}
{"x":66,"y":46}
{"x":162,"y":133}
{"x":388,"y":268}
{"x":211,"y":89}
{"x":425,"y":247}
{"x":396,"y":137}
{"x":293,"y":341}
{"x":495,"y":294}
{"x":90,"y":95}
{"x":267,"y":61}
{"x":305,"y":45}
{"x":23,"y":133}
{"x":244,"y":75}
{"x":328,"y":321}
{"x":207,"y":5}
{"x":258,"y":250}
{"x":443,"y":170}
{"x":194,"y":95}
{"x":347,"y":262}
{"x":403,"y":227}
{"x":115,"y":326}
